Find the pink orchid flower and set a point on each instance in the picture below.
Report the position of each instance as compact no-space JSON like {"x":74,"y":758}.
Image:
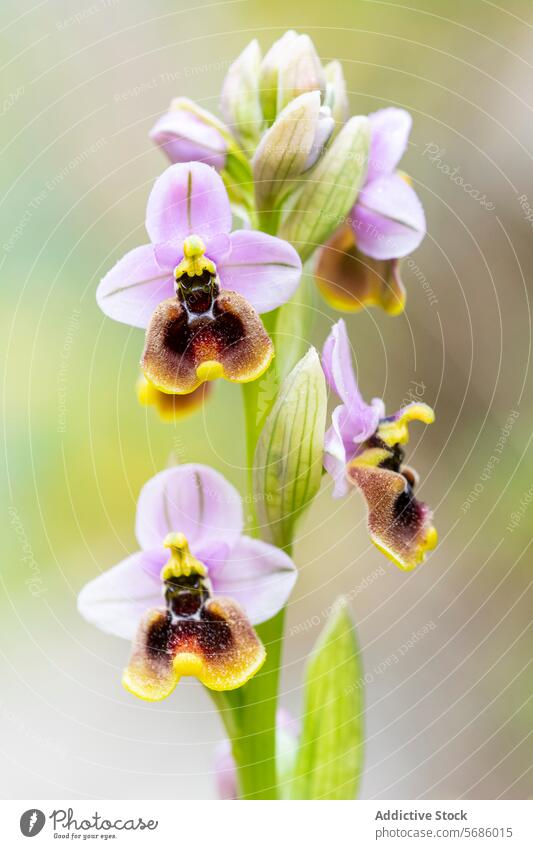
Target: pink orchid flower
{"x":190,"y":596}
{"x":363,"y":448}
{"x":197,"y":287}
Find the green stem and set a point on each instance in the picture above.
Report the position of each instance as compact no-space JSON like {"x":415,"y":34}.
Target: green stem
{"x":249,"y":713}
{"x":255,"y":749}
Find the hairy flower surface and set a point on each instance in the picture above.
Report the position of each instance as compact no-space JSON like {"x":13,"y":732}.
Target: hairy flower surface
{"x":364,"y":448}
{"x":198,"y":287}
{"x":215,"y":583}
{"x":359,"y":265}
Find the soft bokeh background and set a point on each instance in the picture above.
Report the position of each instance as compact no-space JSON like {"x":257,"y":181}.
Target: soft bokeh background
{"x":448,"y":715}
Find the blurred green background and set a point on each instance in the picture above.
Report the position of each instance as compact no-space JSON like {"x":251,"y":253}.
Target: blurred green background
{"x":448,"y":711}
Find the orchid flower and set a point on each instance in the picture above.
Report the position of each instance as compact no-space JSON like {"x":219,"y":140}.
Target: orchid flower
{"x":364,"y":448}
{"x":360,"y":264}
{"x":198,"y":287}
{"x":215,"y":583}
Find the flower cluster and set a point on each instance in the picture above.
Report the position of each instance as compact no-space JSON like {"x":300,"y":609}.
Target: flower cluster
{"x":285,"y":177}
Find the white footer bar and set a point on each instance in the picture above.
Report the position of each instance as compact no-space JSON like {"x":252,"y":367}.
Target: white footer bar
{"x":268,"y":825}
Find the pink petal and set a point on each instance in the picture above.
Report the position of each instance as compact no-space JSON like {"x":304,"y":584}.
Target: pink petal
{"x":185,"y":138}
{"x":225,"y":772}
{"x":116,"y":600}
{"x":187,"y":198}
{"x":134,"y":287}
{"x":193,"y":500}
{"x":169,"y":254}
{"x":264,"y":269}
{"x":218,"y":248}
{"x":338,"y":368}
{"x":335,"y":456}
{"x":288,"y":730}
{"x":390,"y":130}
{"x":388,"y":219}
{"x":259,"y":576}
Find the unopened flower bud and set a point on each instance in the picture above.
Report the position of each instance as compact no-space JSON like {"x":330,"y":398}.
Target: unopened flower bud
{"x":291,"y":145}
{"x":324,"y":129}
{"x":329,"y":194}
{"x":287,"y":468}
{"x":336,"y":96}
{"x":300,"y":71}
{"x":290,"y":68}
{"x":189,"y":133}
{"x":269,"y":72}
{"x":240,"y":103}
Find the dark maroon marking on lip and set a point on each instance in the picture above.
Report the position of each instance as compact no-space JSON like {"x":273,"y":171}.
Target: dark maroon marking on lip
{"x":188,"y":622}
{"x":197,"y":293}
{"x":185,"y":596}
{"x":183,"y":333}
{"x":178,"y":342}
{"x":405,"y":508}
{"x":210,"y":634}
{"x":158,"y":636}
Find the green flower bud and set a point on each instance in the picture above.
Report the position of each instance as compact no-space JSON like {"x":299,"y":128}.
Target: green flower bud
{"x":285,"y":148}
{"x":269,"y":71}
{"x":290,"y":68}
{"x":240,"y":103}
{"x":336,"y":95}
{"x":288,"y":458}
{"x":301,"y":71}
{"x":331,"y":190}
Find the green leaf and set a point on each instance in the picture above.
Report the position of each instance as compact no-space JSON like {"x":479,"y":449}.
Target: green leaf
{"x":331,"y":189}
{"x":288,"y":457}
{"x":329,"y":759}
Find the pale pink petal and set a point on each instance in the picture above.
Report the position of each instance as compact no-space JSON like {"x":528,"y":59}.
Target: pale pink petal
{"x":388,"y":219}
{"x":225,"y":772}
{"x":194,"y":500}
{"x":336,"y":455}
{"x":264,"y":269}
{"x":187,"y":198}
{"x":338,"y":368}
{"x":288,"y":730}
{"x":259,"y":576}
{"x":134,"y":287}
{"x":390,"y":130}
{"x":116,"y":600}
{"x":185,"y":138}
{"x":218,"y":248}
